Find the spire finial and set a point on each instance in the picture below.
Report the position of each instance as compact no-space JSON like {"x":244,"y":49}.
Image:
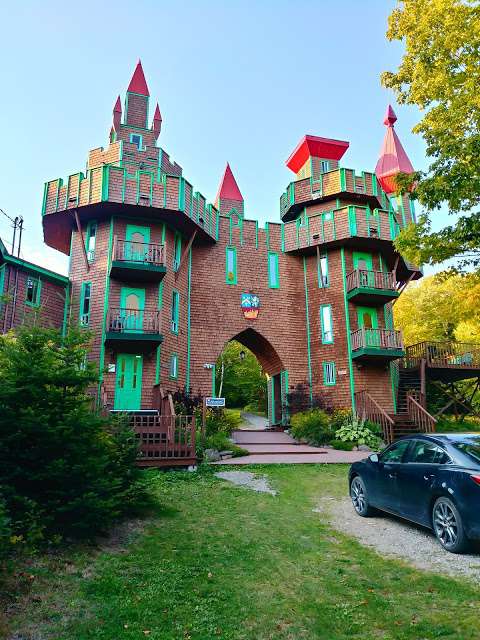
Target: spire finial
{"x":138,"y":84}
{"x":390,"y":117}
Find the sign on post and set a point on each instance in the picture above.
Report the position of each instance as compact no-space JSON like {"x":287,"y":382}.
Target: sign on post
{"x":214,"y":402}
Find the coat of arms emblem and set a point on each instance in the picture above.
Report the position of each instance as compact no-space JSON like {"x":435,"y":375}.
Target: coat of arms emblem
{"x":250,"y":305}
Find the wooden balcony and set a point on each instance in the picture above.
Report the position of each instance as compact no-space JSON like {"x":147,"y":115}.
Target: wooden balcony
{"x":133,"y":329}
{"x":376,"y":344}
{"x":165,"y":440}
{"x":363,"y":188}
{"x":146,"y":193}
{"x":138,"y":261}
{"x":445,"y":361}
{"x":371,"y":287}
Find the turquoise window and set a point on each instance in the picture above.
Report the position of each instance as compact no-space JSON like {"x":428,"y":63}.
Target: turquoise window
{"x":324,"y":166}
{"x":137,"y":139}
{"x":175,"y":311}
{"x":173,"y":366}
{"x":231,"y":265}
{"x":326,"y":324}
{"x":329,"y":374}
{"x":85,"y":303}
{"x":90,"y":240}
{"x":33,"y":288}
{"x":177,"y":251}
{"x":273,"y":270}
{"x":322,"y":269}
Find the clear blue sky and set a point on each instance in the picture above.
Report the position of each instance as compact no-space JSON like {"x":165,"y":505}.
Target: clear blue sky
{"x":236,"y":81}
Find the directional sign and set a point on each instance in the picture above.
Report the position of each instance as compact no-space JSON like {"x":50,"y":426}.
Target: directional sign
{"x":214,"y":402}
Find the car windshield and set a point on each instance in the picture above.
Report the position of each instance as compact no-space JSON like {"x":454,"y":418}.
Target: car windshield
{"x":471,"y":447}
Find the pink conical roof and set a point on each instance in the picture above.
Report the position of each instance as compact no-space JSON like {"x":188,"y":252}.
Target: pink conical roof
{"x":157,"y":115}
{"x":228,"y":189}
{"x":138,"y":83}
{"x":393,"y":158}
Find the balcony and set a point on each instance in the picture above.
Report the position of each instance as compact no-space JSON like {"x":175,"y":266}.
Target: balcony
{"x":138,"y":261}
{"x":376,"y":345}
{"x":133,"y":329}
{"x":143,"y":192}
{"x":363,"y":188}
{"x":371,"y":287}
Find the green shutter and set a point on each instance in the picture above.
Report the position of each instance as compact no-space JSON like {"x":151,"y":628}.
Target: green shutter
{"x":231,"y":265}
{"x":273,"y":270}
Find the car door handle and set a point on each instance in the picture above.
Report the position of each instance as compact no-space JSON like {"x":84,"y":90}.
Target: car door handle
{"x":392,"y":475}
{"x":430,"y":477}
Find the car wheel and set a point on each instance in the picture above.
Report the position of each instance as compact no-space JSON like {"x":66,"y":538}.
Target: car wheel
{"x":358,"y":494}
{"x":448,"y":526}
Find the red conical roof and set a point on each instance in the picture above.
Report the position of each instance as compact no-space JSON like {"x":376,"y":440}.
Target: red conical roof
{"x":138,"y":83}
{"x":118,"y":106}
{"x":157,"y":115}
{"x":228,"y":189}
{"x":393,"y":158}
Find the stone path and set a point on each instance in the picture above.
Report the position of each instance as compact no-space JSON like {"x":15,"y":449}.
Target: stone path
{"x":272,"y":447}
{"x":252,"y":421}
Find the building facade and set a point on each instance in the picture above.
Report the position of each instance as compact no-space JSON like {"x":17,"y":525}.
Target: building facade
{"x":164,"y":280}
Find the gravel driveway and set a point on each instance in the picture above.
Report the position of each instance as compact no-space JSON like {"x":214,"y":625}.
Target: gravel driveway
{"x":394,"y":537}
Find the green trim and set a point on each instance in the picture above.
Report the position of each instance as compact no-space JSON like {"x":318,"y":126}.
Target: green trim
{"x":101,"y":362}
{"x":347,"y":327}
{"x":177,"y":251}
{"x":272,"y":400}
{"x":307,"y":320}
{"x":2,"y":279}
{"x":273,"y":275}
{"x":386,"y":293}
{"x":37,"y":292}
{"x":189,"y":289}
{"x":140,"y":146}
{"x":105,"y":182}
{"x":376,"y":351}
{"x":231,"y":276}
{"x":35,"y":269}
{"x":129,"y":336}
{"x":138,"y":266}
{"x":329,"y":367}
{"x":214,"y":371}
{"x":81,"y":319}
{"x":160,"y":295}
{"x":322,"y":329}
{"x":321,"y":285}
{"x":88,"y":236}
{"x":158,"y":358}
{"x":343,"y":180}
{"x":175,"y":312}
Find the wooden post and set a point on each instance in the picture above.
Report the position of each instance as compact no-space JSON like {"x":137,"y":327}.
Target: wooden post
{"x":184,"y":254}
{"x":204,"y":420}
{"x":79,"y":229}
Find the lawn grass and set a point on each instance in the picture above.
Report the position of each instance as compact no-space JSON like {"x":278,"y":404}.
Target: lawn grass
{"x":219,"y":561}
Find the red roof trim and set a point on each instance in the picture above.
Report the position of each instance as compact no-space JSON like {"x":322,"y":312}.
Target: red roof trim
{"x":316,"y":147}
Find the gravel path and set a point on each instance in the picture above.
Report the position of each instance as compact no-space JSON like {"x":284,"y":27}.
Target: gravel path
{"x":252,"y":421}
{"x":248,"y":480}
{"x":392,"y":536}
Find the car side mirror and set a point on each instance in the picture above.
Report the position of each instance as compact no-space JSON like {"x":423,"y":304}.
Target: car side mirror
{"x":373,"y":457}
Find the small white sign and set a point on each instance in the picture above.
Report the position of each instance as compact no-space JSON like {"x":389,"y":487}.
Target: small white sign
{"x":214,"y":402}
{"x":111,"y":368}
{"x":342,"y":372}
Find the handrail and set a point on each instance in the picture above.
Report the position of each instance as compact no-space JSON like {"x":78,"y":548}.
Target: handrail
{"x":164,"y":437}
{"x":123,"y":320}
{"x":144,"y":252}
{"x":372,"y":279}
{"x":419,"y":415}
{"x":376,"y":338}
{"x":368,"y":409}
{"x":448,"y":354}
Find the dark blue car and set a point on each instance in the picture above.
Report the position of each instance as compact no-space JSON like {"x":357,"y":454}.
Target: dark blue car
{"x":433,"y":480}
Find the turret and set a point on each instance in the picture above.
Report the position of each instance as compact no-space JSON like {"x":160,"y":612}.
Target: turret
{"x":393,"y":158}
{"x":314,"y":155}
{"x":136,"y":99}
{"x":228,"y":195}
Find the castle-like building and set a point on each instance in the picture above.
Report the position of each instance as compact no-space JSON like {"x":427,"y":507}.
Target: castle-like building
{"x":164,"y":280}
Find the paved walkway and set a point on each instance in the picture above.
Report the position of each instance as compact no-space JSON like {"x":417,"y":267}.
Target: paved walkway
{"x":272,"y":447}
{"x":252,"y":421}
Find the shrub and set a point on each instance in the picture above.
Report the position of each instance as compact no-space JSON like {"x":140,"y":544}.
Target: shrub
{"x":65,"y":470}
{"x":5,"y":530}
{"x":342,"y":446}
{"x":220,"y":442}
{"x":222,"y":421}
{"x":312,"y":425}
{"x":356,"y":431}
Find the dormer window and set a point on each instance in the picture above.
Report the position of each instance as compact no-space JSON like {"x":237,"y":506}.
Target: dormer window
{"x":324,"y":166}
{"x":136,"y":139}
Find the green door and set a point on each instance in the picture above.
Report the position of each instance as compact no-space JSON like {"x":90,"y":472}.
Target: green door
{"x":364,"y":263}
{"x":137,"y":243}
{"x":128,"y":382}
{"x":368,"y":320}
{"x":132,"y":303}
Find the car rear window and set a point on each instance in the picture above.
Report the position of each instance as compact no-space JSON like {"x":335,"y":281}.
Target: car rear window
{"x":470,"y":447}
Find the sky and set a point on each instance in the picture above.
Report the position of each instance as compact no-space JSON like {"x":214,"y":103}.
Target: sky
{"x":236,"y":81}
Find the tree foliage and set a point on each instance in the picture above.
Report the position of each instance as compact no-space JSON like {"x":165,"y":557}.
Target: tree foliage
{"x":244,"y":381}
{"x":439,"y":308}
{"x":440,"y":74}
{"x":64,"y":469}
